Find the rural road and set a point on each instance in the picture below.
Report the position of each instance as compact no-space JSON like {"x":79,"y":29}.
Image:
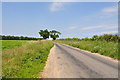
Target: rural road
{"x":67,"y":62}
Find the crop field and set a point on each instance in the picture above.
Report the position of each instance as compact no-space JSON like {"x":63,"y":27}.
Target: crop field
{"x":102,"y":47}
{"x":8,"y":44}
{"x":24,"y":59}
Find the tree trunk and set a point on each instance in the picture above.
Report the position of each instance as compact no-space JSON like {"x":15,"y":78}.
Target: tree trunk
{"x":54,"y":38}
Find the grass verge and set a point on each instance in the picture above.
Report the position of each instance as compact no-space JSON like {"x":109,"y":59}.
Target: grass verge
{"x":102,"y":47}
{"x":25,"y":61}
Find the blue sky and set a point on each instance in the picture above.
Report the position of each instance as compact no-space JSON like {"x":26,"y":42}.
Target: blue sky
{"x":72,"y":19}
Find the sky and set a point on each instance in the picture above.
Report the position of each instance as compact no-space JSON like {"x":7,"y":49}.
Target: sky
{"x":72,"y":19}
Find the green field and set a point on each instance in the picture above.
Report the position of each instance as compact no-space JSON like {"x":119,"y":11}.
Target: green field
{"x":8,"y":44}
{"x":24,"y":60}
{"x":102,"y":47}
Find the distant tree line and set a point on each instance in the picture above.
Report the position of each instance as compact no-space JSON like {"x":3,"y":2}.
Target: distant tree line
{"x":46,"y":34}
{"x":3,"y":37}
{"x":105,"y":37}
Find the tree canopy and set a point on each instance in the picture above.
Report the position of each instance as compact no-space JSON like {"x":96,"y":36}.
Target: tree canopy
{"x":44,"y":33}
{"x":53,"y":34}
{"x":3,"y":37}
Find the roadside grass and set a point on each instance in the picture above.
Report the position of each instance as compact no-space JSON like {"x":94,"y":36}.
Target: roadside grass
{"x":26,"y":61}
{"x":8,"y":44}
{"x":102,"y":47}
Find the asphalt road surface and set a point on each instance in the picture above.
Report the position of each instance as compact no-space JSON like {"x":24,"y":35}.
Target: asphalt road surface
{"x":68,"y":62}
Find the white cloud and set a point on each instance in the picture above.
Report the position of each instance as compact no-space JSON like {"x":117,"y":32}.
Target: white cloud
{"x":113,"y":9}
{"x":104,"y":32}
{"x":56,"y":6}
{"x":91,"y":27}
{"x":109,"y":32}
{"x":109,"y":12}
{"x":100,"y":26}
{"x":73,"y":27}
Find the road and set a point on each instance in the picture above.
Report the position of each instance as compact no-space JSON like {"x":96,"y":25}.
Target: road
{"x":68,"y":62}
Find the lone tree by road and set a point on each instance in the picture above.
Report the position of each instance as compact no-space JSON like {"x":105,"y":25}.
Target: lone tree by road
{"x":44,"y":33}
{"x":54,"y":34}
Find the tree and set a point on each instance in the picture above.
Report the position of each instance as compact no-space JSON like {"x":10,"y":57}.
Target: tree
{"x":54,"y":34}
{"x":44,"y":33}
{"x":95,"y":37}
